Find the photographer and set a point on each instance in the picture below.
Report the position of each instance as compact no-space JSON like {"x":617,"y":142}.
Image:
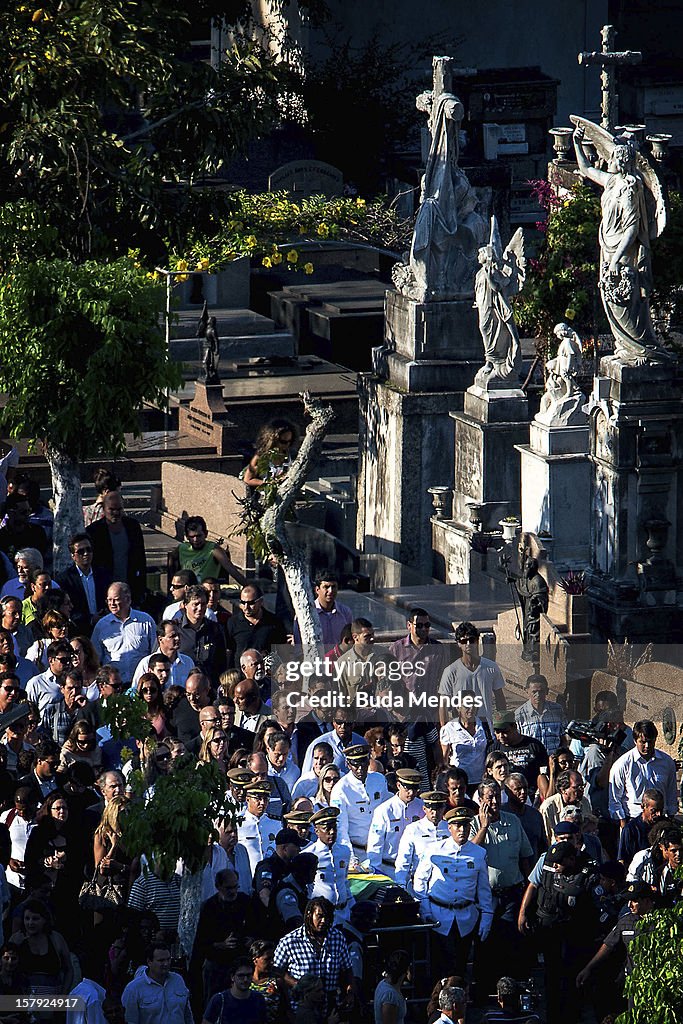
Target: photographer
{"x":511,"y":995}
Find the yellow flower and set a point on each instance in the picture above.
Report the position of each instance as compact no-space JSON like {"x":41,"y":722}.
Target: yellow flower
{"x":266,"y":261}
{"x":250,"y":240}
{"x":276,"y":258}
{"x":323,"y":230}
{"x":37,"y":15}
{"x":292,"y":256}
{"x":181,"y":265}
{"x":308,"y":268}
{"x":360,"y":202}
{"x":203,"y":264}
{"x":570,"y":313}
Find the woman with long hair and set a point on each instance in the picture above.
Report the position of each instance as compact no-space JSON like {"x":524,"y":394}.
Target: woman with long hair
{"x":215,"y":747}
{"x":389,"y":1003}
{"x":272,"y":457}
{"x":82,"y":746}
{"x":327,"y":780}
{"x":149,"y":689}
{"x":87,"y":663}
{"x":39,"y":584}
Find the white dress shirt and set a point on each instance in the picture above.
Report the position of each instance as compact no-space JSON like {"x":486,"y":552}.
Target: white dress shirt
{"x":631,"y":774}
{"x":388,"y":824}
{"x":124,"y":643}
{"x":356,"y":802}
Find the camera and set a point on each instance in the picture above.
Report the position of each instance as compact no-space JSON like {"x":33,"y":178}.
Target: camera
{"x":595,"y":732}
{"x":528,"y":996}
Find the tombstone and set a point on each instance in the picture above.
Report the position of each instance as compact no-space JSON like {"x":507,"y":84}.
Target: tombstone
{"x":555,"y":471}
{"x":431,"y":351}
{"x":307,"y":178}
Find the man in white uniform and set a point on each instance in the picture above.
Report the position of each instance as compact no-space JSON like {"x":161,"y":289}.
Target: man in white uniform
{"x":418,"y":835}
{"x":452,"y":884}
{"x":389,"y":821}
{"x":356,"y":795}
{"x":331,"y":878}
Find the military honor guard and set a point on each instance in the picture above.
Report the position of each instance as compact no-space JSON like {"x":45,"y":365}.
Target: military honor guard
{"x":452,"y":885}
{"x":331,"y":880}
{"x":390,"y":819}
{"x":257,"y":831}
{"x":357,"y":794}
{"x":418,"y":834}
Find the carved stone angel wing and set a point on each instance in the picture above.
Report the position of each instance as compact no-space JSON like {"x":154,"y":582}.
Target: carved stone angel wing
{"x":604,"y":144}
{"x":515,"y":258}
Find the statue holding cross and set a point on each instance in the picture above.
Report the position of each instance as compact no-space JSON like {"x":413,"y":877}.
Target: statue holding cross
{"x":448,"y":227}
{"x":609,"y":60}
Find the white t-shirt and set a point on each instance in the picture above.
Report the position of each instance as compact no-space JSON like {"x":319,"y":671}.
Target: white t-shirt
{"x":484,"y":680}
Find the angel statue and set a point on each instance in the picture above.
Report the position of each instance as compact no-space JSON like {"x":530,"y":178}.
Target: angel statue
{"x":500,"y":276}
{"x":448,"y":229}
{"x":633,"y":213}
{"x":562,"y":401}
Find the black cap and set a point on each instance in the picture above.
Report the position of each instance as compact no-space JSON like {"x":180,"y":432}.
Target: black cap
{"x":287,"y":835}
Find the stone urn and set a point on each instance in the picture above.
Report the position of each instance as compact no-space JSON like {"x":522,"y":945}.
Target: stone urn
{"x":510,"y":527}
{"x":440,"y":501}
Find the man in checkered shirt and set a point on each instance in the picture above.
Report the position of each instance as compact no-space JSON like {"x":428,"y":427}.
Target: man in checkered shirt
{"x":541,"y":718}
{"x":317,"y":948}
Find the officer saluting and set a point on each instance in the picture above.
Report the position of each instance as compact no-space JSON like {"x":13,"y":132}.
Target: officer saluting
{"x":418,"y":835}
{"x":356,"y":795}
{"x":331,"y":880}
{"x":390,"y":819}
{"x":452,"y":884}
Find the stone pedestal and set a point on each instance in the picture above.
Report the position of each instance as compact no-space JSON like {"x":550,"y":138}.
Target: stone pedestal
{"x":207,"y":417}
{"x":429,"y":346}
{"x":636,"y":537}
{"x":487,"y":471}
{"x":555,"y":474}
{"x":431,"y":352}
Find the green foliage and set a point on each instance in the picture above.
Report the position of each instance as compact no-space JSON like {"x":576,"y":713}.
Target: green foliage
{"x":100,"y":106}
{"x":562,"y":282}
{"x":258,"y":225}
{"x":656,"y":982}
{"x":81,"y":350}
{"x":125,"y":717}
{"x":178,"y":820}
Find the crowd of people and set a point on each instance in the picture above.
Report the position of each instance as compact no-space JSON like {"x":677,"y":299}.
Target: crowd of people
{"x":505,"y":834}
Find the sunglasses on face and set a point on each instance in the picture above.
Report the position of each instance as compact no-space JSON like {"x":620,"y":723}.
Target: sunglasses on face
{"x":149,"y":689}
{"x":250,"y":604}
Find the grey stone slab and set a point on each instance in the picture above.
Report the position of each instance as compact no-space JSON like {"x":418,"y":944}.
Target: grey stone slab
{"x":486,"y":463}
{"x":236,"y":347}
{"x":558,"y":440}
{"x":433,"y":330}
{"x":229,"y":322}
{"x":424,"y":375}
{"x":496,"y":406}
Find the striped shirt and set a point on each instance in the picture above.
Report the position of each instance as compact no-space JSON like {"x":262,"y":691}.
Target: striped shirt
{"x":163,"y":898}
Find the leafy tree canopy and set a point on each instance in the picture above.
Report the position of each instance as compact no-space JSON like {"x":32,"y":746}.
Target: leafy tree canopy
{"x":101,"y":113}
{"x":81,"y":350}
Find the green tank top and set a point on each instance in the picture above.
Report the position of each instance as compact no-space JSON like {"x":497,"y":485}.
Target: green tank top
{"x":202,"y":563}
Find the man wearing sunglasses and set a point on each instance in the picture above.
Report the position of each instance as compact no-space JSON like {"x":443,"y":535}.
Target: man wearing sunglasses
{"x":472,"y":672}
{"x":44,"y":688}
{"x":252,"y":626}
{"x":85,"y":585}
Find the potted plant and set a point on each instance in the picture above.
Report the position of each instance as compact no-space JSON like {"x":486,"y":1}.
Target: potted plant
{"x":576,"y":588}
{"x":510,"y":525}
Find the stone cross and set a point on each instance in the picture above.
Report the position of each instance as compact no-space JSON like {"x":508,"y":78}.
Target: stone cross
{"x":609,"y":60}
{"x":442,"y":78}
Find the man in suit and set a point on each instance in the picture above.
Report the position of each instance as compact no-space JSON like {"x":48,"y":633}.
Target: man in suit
{"x":119,"y":548}
{"x":85,"y":585}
